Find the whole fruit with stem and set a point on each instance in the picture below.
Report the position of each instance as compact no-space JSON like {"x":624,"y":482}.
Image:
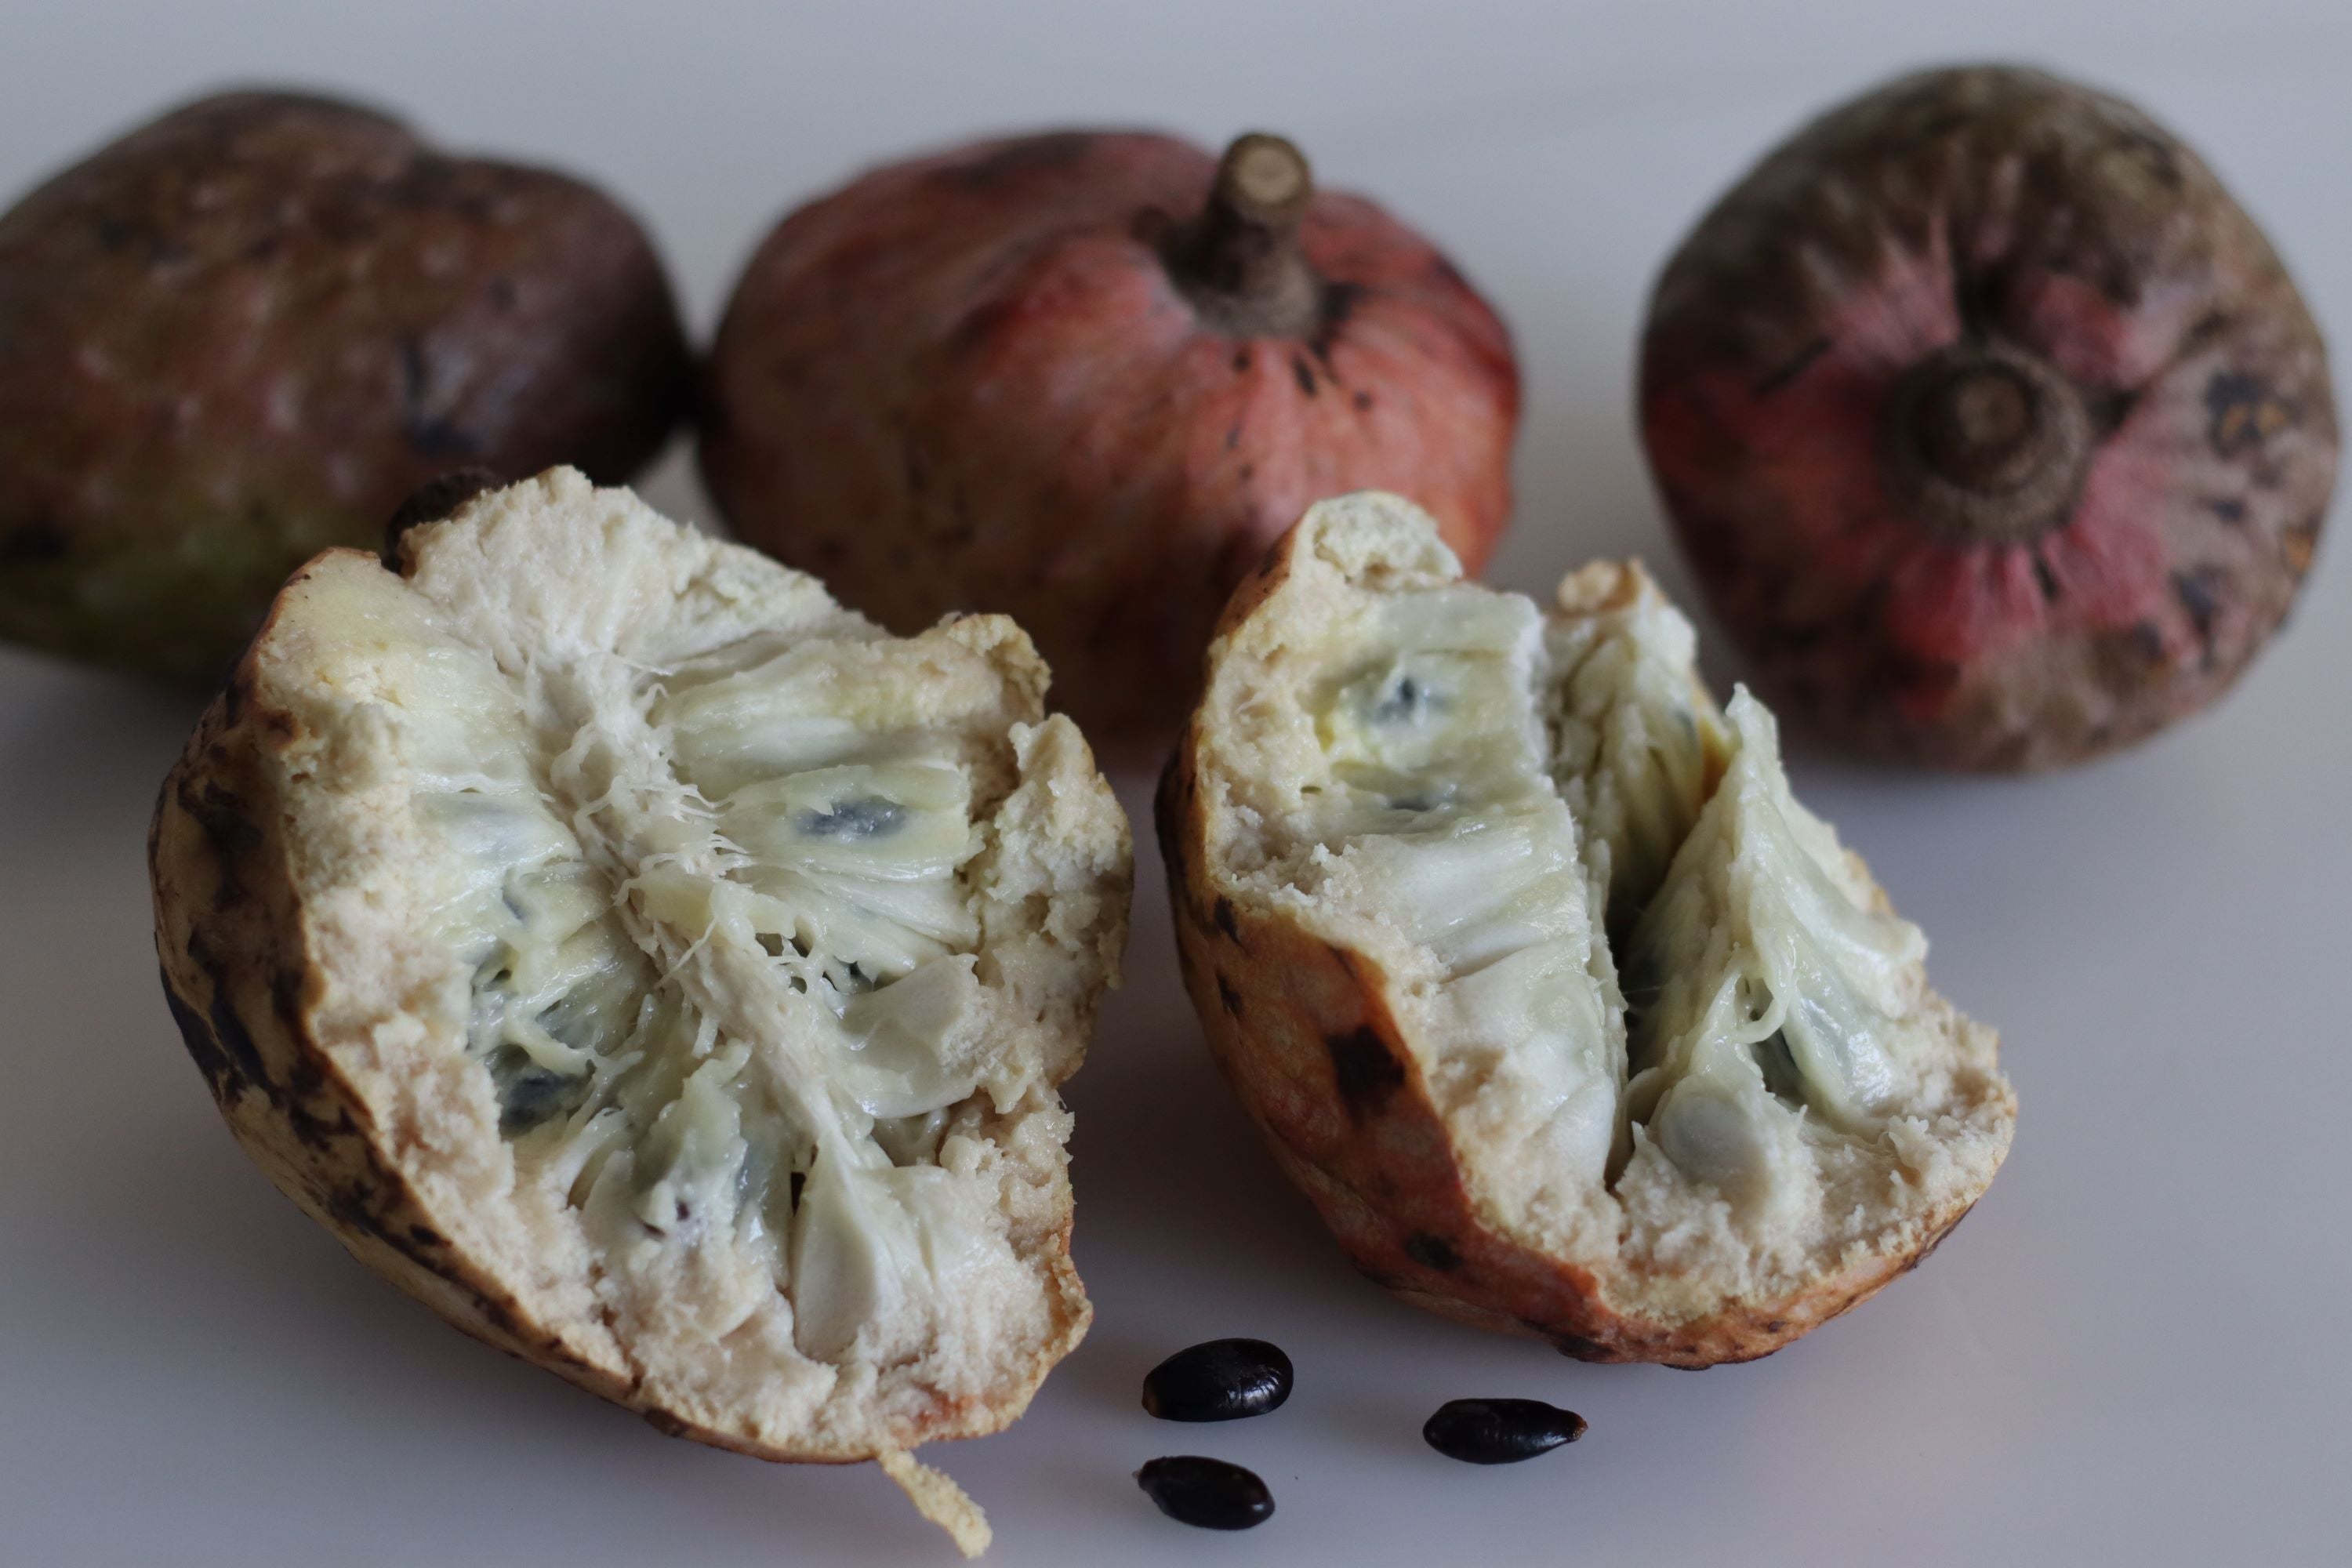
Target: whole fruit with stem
{"x":1087,"y":379}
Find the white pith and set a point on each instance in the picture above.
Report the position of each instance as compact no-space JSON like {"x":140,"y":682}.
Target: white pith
{"x":710,"y":957}
{"x":1511,"y":813}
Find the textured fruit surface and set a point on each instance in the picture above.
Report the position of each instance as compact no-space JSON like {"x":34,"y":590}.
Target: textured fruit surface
{"x":1537,"y":978}
{"x":1222,"y":1380}
{"x":1995,"y":430}
{"x":242,"y":333}
{"x":978,"y":381}
{"x":1499,"y":1431}
{"x":660,"y":971}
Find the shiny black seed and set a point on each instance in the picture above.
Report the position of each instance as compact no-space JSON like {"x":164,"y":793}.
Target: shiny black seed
{"x":1209,"y":1493}
{"x":1222,"y":1380}
{"x":871,"y":818}
{"x":1499,"y":1431}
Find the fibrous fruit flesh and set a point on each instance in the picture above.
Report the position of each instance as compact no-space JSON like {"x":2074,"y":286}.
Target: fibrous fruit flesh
{"x":1994,"y":428}
{"x":1540,"y":984}
{"x":657,"y":969}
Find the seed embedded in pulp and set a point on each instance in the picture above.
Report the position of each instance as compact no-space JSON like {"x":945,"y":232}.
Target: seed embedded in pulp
{"x":1222,"y":1380}
{"x":1500,"y":1431}
{"x":1207,"y":1493}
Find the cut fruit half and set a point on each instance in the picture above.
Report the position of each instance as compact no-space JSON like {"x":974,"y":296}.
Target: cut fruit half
{"x":659,"y":970}
{"x":1540,"y":982}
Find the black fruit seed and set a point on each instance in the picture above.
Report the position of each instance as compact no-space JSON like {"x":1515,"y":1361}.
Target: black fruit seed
{"x":1500,"y":1431}
{"x":1208,"y":1493}
{"x":1222,"y":1380}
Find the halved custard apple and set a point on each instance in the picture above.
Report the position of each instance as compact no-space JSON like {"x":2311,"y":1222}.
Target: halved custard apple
{"x":659,"y":970}
{"x":1567,"y":1016}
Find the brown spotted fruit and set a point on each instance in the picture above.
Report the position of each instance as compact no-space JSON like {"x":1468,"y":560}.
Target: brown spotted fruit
{"x":244,"y":331}
{"x":1993,"y":428}
{"x":658,"y":970}
{"x":1540,"y":984}
{"x":1087,"y":379}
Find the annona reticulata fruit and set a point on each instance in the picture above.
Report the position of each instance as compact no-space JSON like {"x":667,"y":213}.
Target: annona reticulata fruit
{"x":1540,"y":984}
{"x":241,"y":333}
{"x":659,"y":970}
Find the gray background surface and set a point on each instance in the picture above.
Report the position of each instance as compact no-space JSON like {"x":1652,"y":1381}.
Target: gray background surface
{"x":2136,"y":1351}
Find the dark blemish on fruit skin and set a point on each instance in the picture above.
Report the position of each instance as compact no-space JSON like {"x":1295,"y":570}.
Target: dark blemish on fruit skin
{"x":1433,"y":1252}
{"x":1336,"y":304}
{"x":1232,"y":435}
{"x":1776,"y":1325}
{"x":426,"y":1235}
{"x":1363,"y":401}
{"x":662,"y":1422}
{"x":231,"y":837}
{"x":1580,"y":1348}
{"x":1364,"y":1070}
{"x":220,"y":1073}
{"x":2163,"y":164}
{"x":2229,"y":512}
{"x":2244,"y":412}
{"x":1241,"y":362}
{"x":1792,"y":367}
{"x":228,"y":1031}
{"x":1230,"y":998}
{"x":1054,"y":150}
{"x":2048,"y":579}
{"x":2148,"y":637}
{"x":2110,"y":408}
{"x":2199,"y":593}
{"x":429,"y":434}
{"x":1222,"y":915}
{"x":1303,"y":374}
{"x":33,"y":543}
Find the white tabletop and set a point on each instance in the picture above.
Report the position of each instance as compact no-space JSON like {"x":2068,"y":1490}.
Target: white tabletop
{"x":2138,"y":1349}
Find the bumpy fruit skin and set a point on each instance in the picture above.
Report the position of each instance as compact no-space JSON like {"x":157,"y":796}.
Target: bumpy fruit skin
{"x":1304,"y":1034}
{"x":1988,"y":211}
{"x":971,"y":381}
{"x":242,"y":333}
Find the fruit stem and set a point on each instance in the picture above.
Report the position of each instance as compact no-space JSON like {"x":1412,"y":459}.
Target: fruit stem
{"x":1986,"y":443}
{"x":1240,"y":261}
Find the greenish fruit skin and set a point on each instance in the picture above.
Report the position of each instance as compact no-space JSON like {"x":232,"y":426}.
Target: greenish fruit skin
{"x":242,"y":333}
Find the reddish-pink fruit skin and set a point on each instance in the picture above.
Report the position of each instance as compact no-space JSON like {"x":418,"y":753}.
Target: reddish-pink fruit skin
{"x":970,"y":383}
{"x":1992,"y":204}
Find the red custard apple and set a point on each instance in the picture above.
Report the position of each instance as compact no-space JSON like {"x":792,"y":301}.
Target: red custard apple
{"x":1088,"y":379}
{"x":1994,"y":428}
